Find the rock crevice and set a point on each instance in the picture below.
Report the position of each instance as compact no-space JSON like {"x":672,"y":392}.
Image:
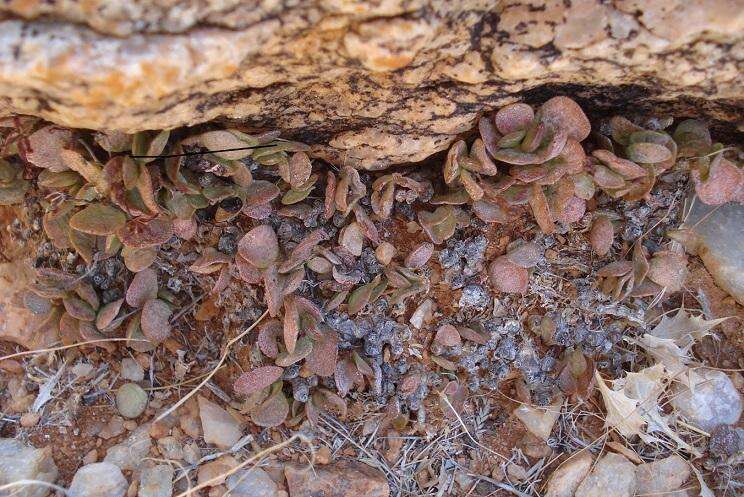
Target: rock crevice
{"x":372,"y":83}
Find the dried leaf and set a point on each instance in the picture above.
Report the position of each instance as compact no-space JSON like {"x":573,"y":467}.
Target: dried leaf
{"x":155,"y":320}
{"x":685,"y":328}
{"x":622,"y":412}
{"x":617,"y":268}
{"x":93,"y":173}
{"x":257,"y":379}
{"x":668,"y":269}
{"x":724,"y":181}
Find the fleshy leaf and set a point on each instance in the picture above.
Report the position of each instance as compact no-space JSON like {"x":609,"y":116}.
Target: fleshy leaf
{"x":98,"y":219}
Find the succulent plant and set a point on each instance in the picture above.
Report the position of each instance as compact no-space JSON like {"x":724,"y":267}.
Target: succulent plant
{"x":464,"y":169}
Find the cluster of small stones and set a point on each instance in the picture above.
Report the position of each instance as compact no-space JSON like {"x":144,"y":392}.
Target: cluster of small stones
{"x":308,"y":244}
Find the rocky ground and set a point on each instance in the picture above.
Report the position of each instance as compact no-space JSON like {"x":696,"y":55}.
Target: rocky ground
{"x":551,"y":308}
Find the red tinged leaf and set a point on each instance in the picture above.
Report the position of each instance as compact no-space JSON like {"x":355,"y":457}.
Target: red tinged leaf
{"x":142,"y":234}
{"x":260,"y":192}
{"x":329,"y":204}
{"x":723,"y":183}
{"x":248,"y":272}
{"x":525,"y":254}
{"x":625,"y":168}
{"x":273,"y":291}
{"x":513,"y":117}
{"x":291,"y":323}
{"x":155,"y":320}
{"x":541,"y":211}
{"x":322,"y":360}
{"x":268,"y":334}
{"x":601,"y":235}
{"x":257,"y":379}
{"x":303,"y":250}
{"x":260,"y":246}
{"x":507,"y":277}
{"x":565,"y":114}
{"x":143,"y":287}
{"x":448,"y":336}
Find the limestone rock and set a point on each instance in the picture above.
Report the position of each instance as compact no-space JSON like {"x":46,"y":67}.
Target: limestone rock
{"x":567,"y":477}
{"x":253,"y":482}
{"x":22,"y":462}
{"x":710,"y":400}
{"x":612,"y":476}
{"x":662,"y":476}
{"x":100,"y":479}
{"x":717,"y":235}
{"x":156,"y":481}
{"x":129,"y":454}
{"x":368,"y":83}
{"x":218,"y":426}
{"x":341,"y":479}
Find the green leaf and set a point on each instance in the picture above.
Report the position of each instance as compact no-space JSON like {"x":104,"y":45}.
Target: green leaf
{"x":98,"y":219}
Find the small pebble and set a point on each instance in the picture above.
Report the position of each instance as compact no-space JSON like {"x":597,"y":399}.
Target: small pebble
{"x":131,"y":400}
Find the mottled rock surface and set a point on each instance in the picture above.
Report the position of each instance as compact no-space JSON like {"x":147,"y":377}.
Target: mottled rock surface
{"x":21,"y":462}
{"x":368,"y":83}
{"x":341,"y":479}
{"x":567,"y":477}
{"x":101,"y":479}
{"x":708,"y":399}
{"x":717,"y":237}
{"x":612,"y":476}
{"x":662,"y":476}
